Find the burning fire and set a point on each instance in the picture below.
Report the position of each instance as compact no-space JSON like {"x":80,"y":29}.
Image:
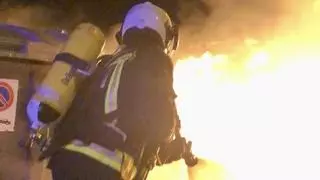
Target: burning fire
{"x":262,"y":127}
{"x":257,"y":118}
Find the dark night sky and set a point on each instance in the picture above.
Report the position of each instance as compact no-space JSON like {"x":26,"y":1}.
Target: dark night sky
{"x":100,"y":12}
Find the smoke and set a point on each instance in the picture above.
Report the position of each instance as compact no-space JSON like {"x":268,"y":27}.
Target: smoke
{"x":218,"y":26}
{"x":230,"y":22}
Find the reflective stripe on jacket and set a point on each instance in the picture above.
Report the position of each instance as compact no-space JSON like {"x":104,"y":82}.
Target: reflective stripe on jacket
{"x":117,"y":160}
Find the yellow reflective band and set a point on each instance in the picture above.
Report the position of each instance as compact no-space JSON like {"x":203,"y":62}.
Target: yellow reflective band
{"x":111,"y":96}
{"x":102,"y":158}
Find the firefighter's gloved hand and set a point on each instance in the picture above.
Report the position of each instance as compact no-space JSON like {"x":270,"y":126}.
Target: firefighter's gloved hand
{"x":172,"y":151}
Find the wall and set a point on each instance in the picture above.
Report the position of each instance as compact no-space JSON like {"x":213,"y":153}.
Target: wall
{"x":13,"y":162}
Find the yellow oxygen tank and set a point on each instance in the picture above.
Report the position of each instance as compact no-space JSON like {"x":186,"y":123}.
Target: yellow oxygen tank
{"x":55,"y":94}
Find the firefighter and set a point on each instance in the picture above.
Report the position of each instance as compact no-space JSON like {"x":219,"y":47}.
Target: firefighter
{"x":125,"y":111}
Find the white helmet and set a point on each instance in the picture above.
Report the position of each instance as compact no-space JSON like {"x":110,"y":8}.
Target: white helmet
{"x":148,"y":15}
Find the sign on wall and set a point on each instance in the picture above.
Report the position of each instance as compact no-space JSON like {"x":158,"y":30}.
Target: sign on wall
{"x":8,"y":103}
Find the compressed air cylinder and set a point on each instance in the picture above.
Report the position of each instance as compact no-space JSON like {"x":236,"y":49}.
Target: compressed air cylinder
{"x":55,"y":94}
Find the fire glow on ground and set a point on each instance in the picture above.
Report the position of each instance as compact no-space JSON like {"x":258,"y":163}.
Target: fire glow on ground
{"x":256,"y":119}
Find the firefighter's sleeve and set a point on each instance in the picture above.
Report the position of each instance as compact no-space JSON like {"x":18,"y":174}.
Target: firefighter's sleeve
{"x":150,"y":100}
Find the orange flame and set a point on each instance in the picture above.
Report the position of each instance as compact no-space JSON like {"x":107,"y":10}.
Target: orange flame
{"x":263,"y":126}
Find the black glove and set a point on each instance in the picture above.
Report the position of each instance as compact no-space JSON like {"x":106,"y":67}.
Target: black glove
{"x":172,"y":151}
{"x":189,"y":158}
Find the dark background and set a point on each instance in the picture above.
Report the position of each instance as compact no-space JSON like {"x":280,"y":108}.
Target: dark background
{"x":218,"y":26}
{"x":103,"y":13}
